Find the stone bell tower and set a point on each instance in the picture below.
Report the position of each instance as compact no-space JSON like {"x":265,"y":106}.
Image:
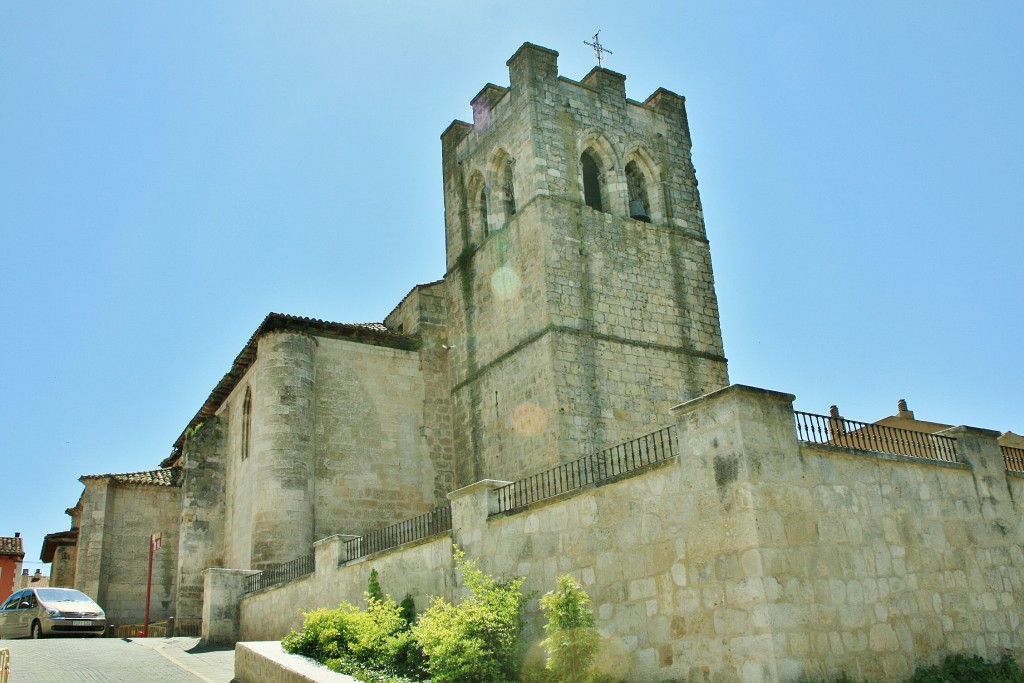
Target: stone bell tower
{"x":581,"y":302}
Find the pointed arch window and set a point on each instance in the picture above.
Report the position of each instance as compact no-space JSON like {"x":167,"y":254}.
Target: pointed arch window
{"x":636,"y":183}
{"x":591,"y":181}
{"x":246,"y":422}
{"x":482,"y":207}
{"x":508,"y":189}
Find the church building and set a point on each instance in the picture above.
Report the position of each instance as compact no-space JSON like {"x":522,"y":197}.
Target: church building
{"x":577,"y":311}
{"x":577,"y":307}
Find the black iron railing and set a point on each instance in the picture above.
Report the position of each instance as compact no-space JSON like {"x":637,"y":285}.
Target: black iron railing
{"x":281,"y":573}
{"x":611,"y":462}
{"x":838,"y":431}
{"x":1013,"y":458}
{"x":438,"y":520}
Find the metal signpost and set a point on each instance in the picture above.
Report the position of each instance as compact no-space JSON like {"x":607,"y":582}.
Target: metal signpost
{"x":155,"y":541}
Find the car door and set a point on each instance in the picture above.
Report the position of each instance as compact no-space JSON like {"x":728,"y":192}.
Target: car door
{"x":9,"y":614}
{"x":27,"y":612}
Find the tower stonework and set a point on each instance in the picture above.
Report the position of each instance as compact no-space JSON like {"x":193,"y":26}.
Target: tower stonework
{"x":581,"y":301}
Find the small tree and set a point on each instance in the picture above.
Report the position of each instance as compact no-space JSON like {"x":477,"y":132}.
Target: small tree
{"x":373,"y":589}
{"x":572,"y":639}
{"x":408,"y":608}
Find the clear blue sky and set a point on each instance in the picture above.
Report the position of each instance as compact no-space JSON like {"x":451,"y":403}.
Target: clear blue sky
{"x":170,"y":172}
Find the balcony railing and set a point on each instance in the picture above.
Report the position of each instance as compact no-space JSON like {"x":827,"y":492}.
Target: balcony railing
{"x":1013,"y":458}
{"x":611,"y":462}
{"x":838,"y":431}
{"x":282,"y":573}
{"x":438,"y":520}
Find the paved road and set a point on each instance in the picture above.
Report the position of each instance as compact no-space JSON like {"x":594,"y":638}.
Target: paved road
{"x":115,"y":660}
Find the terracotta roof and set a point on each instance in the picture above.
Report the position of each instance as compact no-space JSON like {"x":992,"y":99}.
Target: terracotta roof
{"x":162,"y":477}
{"x":11,"y":545}
{"x":366,"y":333}
{"x":53,"y":541}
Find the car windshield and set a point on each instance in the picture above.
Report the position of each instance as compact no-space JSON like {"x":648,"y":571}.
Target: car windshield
{"x":62,"y":595}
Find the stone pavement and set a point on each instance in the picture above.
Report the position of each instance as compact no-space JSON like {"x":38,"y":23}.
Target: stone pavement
{"x":116,"y":660}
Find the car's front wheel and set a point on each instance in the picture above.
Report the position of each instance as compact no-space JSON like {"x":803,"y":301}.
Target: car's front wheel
{"x":37,"y":631}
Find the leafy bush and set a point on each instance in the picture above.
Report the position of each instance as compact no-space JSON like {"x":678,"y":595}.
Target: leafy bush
{"x":352,"y":641}
{"x":572,"y":639}
{"x":325,"y":634}
{"x":962,"y":668}
{"x":476,"y":641}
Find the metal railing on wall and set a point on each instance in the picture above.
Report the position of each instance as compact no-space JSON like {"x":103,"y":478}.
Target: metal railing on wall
{"x":627,"y":457}
{"x":838,"y":431}
{"x":438,"y":520}
{"x":1013,"y":458}
{"x":281,"y":573}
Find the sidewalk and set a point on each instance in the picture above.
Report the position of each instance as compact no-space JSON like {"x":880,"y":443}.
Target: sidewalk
{"x":116,"y":660}
{"x":212,"y":664}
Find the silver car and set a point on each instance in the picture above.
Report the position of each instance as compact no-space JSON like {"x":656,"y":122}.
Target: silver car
{"x":38,"y":612}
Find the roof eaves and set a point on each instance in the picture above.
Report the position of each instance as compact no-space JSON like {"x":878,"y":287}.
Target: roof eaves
{"x":368,"y":333}
{"x":161,"y":477}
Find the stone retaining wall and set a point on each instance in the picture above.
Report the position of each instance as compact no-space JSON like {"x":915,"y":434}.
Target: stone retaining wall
{"x":751,"y":557}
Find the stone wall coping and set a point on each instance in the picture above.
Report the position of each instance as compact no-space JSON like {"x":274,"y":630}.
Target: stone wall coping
{"x":586,"y":488}
{"x":964,"y":430}
{"x":727,"y":393}
{"x":892,"y":457}
{"x":335,"y":537}
{"x":527,"y":47}
{"x":482,"y":485}
{"x":269,"y":661}
{"x":237,"y":572}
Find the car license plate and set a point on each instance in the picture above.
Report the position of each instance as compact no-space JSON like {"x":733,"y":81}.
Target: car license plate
{"x":81,"y":623}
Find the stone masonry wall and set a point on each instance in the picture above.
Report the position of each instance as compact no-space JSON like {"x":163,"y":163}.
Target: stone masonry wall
{"x":338,"y":442}
{"x":750,"y":558}
{"x":92,"y":536}
{"x":202,"y":537}
{"x":372,"y":465}
{"x":423,"y":570}
{"x":136,"y":512}
{"x":424,"y":312}
{"x":62,"y":571}
{"x":853,"y":561}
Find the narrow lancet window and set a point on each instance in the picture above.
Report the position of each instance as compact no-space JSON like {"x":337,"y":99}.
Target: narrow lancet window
{"x":509,"y":190}
{"x":483,"y":210}
{"x":246,"y":422}
{"x":639,"y":205}
{"x":591,"y":182}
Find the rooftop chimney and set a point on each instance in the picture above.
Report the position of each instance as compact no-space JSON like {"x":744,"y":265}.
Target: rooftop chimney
{"x":17,"y":534}
{"x":903,"y":410}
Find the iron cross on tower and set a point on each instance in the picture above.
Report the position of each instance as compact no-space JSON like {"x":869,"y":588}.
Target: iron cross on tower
{"x":598,"y":49}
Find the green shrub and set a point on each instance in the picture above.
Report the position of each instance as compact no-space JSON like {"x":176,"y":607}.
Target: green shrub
{"x":961,"y":668}
{"x":476,"y":641}
{"x":325,"y":633}
{"x":350,"y":640}
{"x":572,"y":639}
